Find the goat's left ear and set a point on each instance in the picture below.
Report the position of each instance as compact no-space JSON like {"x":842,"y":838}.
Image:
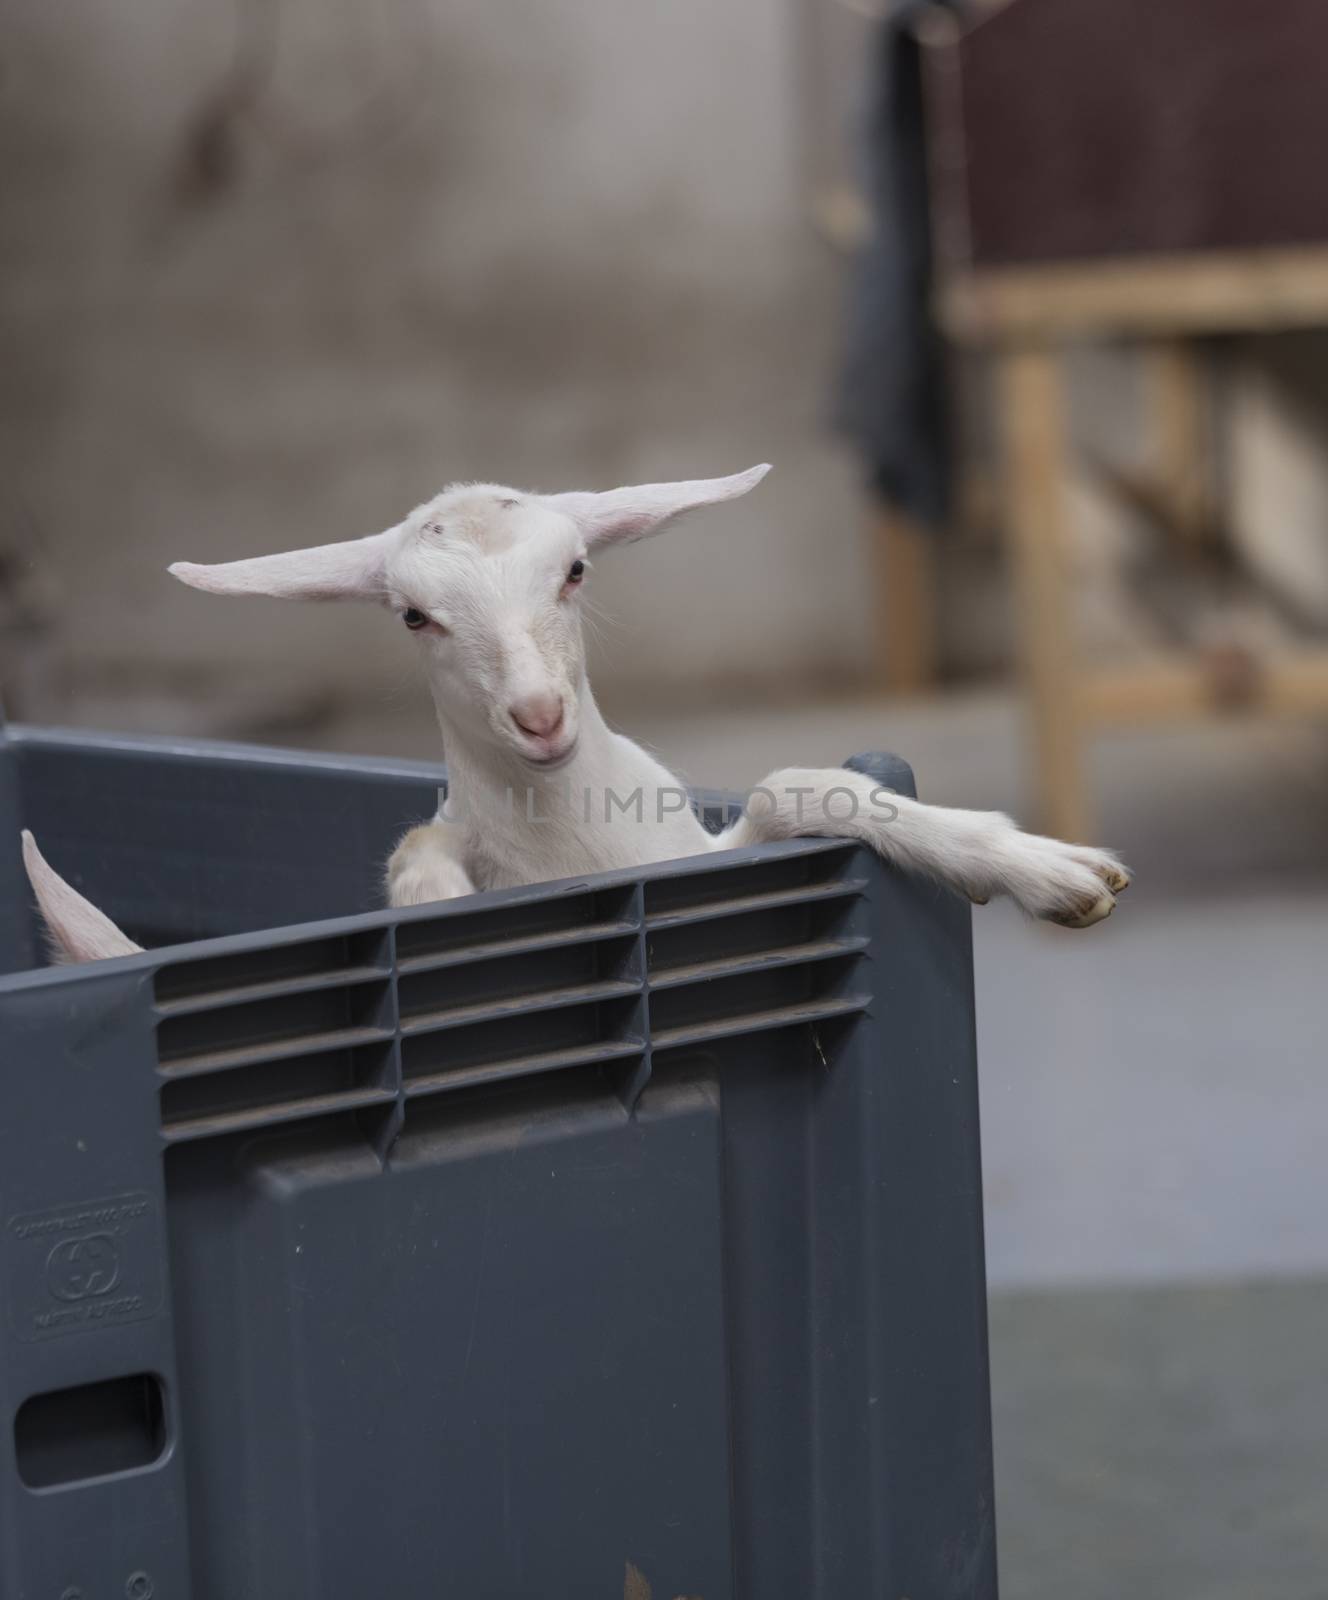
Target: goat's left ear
{"x":353,"y":570}
{"x":619,"y":516}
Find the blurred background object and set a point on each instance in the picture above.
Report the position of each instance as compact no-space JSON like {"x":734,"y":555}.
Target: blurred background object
{"x":274,"y":270}
{"x":1031,"y":290}
{"x":1144,"y":174}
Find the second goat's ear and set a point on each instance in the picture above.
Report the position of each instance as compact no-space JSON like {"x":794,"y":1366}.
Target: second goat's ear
{"x":353,"y":570}
{"x":75,"y":929}
{"x":618,"y":516}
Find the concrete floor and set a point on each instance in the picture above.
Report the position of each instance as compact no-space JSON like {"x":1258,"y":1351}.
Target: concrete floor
{"x":1155,"y":1112}
{"x":1155,"y":1118}
{"x":1162,"y":1443}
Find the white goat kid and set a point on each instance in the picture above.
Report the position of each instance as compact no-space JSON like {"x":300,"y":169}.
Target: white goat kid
{"x":488,"y":580}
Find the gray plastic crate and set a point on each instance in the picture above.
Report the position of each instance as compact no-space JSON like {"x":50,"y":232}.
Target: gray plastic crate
{"x":614,"y":1236}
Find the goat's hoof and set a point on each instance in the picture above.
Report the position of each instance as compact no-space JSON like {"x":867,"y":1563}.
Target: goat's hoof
{"x":1100,"y":909}
{"x":1112,"y":872}
{"x":1106,"y":867}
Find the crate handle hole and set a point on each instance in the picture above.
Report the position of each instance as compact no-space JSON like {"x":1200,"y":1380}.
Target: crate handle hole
{"x":91,"y":1431}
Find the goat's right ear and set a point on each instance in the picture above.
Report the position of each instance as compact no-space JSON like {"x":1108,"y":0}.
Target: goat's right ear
{"x":619,"y":516}
{"x":353,"y":570}
{"x":76,"y":929}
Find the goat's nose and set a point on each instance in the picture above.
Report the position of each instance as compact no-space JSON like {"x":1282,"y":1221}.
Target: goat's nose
{"x":538,"y":714}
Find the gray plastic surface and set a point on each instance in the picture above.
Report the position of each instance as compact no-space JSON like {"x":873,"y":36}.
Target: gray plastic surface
{"x":555,"y":1242}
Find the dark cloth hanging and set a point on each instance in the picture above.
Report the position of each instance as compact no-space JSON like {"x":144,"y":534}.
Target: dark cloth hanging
{"x":892,"y":392}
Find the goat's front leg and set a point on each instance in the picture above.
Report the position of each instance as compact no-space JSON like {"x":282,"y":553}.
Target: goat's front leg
{"x":428,"y":865}
{"x":979,"y":853}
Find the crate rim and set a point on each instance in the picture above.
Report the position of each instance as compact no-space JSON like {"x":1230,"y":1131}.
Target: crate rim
{"x":389,"y":769}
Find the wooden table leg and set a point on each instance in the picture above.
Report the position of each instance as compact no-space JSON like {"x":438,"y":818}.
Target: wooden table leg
{"x":1032,"y":415}
{"x":1177,"y":413}
{"x":904,"y":558}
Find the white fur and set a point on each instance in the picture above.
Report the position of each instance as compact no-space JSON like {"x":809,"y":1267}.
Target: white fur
{"x":535,"y":795}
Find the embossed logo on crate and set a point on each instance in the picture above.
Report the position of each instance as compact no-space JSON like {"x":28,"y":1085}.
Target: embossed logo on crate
{"x":93,"y":1264}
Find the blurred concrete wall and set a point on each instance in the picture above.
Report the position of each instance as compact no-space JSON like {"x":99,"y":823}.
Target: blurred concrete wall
{"x":273,"y":271}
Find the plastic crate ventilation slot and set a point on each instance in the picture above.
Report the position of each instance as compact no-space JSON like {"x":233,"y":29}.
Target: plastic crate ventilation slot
{"x":611,"y":975}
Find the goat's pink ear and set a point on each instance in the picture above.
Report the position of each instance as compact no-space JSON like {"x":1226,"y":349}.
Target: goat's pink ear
{"x":76,"y":929}
{"x":353,"y":570}
{"x":618,"y":516}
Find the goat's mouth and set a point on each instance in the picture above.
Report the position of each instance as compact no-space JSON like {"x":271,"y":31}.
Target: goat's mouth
{"x":550,"y":761}
{"x":544,"y":734}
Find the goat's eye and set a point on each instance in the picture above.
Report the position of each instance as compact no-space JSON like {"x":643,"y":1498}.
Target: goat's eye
{"x":576,"y":572}
{"x":414,"y":618}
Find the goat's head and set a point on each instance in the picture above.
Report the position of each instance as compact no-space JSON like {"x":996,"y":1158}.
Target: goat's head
{"x":487,"y":579}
